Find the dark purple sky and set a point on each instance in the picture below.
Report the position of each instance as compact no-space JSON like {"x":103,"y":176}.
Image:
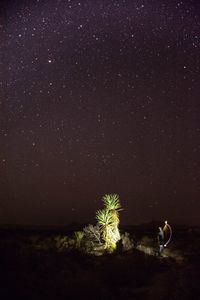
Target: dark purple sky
{"x":99,"y":97}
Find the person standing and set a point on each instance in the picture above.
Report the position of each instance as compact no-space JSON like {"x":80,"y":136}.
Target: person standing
{"x":164,"y":236}
{"x":161,"y":240}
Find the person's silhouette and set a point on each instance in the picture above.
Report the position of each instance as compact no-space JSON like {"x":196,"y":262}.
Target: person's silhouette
{"x":161,"y":239}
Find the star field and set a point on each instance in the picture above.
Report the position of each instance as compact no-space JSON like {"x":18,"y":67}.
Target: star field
{"x":99,"y":97}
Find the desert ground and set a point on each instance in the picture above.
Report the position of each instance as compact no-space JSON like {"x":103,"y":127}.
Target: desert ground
{"x":43,"y":264}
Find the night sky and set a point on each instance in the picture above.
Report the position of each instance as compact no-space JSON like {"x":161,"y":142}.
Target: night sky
{"x":99,"y":97}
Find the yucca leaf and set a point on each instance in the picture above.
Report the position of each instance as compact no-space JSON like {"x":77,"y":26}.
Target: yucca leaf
{"x":111,"y":202}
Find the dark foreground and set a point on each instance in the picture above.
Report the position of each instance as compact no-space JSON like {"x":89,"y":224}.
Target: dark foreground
{"x":31,"y":267}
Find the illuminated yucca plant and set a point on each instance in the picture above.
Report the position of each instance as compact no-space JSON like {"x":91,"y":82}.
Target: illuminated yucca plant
{"x":111,"y":201}
{"x":113,"y":205}
{"x":104,"y":219}
{"x":108,"y":220}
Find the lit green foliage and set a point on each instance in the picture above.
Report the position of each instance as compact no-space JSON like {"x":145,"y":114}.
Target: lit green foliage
{"x":111,"y":202}
{"x":104,"y":219}
{"x":104,"y":236}
{"x":78,"y":237}
{"x":108,"y":220}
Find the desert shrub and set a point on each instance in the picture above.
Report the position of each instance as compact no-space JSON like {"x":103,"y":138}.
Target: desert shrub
{"x":64,"y":243}
{"x":92,"y":240}
{"x":92,"y":233}
{"x":147,"y":241}
{"x":148,"y":246}
{"x":127,"y":242}
{"x":41,"y":243}
{"x":34,"y":239}
{"x":174,"y":254}
{"x":78,"y":238}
